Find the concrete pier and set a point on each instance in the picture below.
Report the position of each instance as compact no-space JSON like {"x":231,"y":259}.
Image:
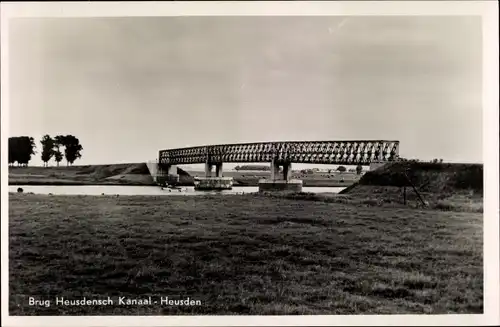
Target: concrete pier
{"x":213,"y":183}
{"x":280,"y":182}
{"x":209,"y":169}
{"x":217,"y":182}
{"x":218,"y":170}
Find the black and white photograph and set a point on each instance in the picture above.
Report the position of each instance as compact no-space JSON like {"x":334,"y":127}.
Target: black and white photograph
{"x":218,"y":164}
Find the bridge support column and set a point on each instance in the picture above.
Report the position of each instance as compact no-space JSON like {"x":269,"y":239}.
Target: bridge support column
{"x":216,"y":182}
{"x":275,"y":171}
{"x":218,"y":170}
{"x":208,"y":169}
{"x":287,"y":171}
{"x":280,"y":182}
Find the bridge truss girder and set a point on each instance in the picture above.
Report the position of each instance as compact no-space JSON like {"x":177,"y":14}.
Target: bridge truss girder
{"x":314,"y":152}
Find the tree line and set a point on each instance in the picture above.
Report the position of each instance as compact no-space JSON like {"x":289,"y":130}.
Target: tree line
{"x":341,"y":169}
{"x":252,"y":167}
{"x":435,"y":160}
{"x":22,"y":148}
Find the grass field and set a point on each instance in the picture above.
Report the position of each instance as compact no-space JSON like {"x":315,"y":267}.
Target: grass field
{"x":242,"y":254}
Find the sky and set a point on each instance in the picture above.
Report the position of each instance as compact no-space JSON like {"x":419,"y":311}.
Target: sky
{"x":128,"y":87}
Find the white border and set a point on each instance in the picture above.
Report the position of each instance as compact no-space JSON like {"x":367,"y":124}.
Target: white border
{"x":487,"y":9}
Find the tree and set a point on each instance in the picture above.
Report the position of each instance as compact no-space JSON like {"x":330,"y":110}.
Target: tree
{"x":58,"y":142}
{"x":12,"y":150}
{"x":359,"y":169}
{"x":21,"y":148}
{"x":58,"y":156}
{"x":253,"y":167}
{"x":47,"y":149}
{"x":72,"y":148}
{"x":341,"y":169}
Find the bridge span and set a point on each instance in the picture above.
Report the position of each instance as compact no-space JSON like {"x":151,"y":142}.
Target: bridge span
{"x":278,"y":154}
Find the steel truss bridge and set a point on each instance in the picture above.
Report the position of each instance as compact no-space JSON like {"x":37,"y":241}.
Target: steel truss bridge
{"x":313,"y":152}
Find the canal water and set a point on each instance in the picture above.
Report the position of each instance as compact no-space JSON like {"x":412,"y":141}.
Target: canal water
{"x":144,"y":190}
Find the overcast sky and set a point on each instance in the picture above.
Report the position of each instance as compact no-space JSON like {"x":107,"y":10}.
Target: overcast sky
{"x":128,"y":87}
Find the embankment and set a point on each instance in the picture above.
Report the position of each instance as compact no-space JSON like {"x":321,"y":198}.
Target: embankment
{"x":439,"y":184}
{"x":119,"y":174}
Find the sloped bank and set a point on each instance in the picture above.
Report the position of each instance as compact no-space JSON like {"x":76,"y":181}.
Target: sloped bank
{"x":115,"y":174}
{"x":446,"y":187}
{"x":441,"y":185}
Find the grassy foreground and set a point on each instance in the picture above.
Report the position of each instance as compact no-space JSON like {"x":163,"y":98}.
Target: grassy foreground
{"x":241,"y":254}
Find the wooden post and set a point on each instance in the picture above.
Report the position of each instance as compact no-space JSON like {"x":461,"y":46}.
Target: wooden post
{"x":415,"y":189}
{"x":404,"y":195}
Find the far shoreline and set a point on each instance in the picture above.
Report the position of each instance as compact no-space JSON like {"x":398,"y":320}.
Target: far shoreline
{"x":138,"y":174}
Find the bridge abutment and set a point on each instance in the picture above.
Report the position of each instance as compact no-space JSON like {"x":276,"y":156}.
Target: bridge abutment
{"x":280,"y":181}
{"x":167,"y":174}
